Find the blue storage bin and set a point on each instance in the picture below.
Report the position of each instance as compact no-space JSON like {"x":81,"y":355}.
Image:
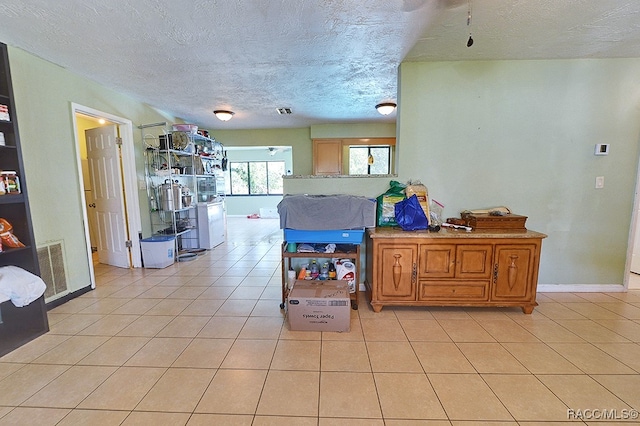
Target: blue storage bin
{"x":335,"y":236}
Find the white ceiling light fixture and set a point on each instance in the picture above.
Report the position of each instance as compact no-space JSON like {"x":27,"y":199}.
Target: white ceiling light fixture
{"x":386,"y":108}
{"x":223,"y":115}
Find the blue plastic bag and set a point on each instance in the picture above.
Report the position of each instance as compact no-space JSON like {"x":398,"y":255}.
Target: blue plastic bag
{"x":410,"y":216}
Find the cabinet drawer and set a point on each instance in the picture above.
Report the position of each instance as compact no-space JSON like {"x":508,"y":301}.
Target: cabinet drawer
{"x":454,"y":290}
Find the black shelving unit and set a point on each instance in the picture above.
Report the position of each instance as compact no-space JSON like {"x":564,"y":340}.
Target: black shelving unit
{"x":17,"y":325}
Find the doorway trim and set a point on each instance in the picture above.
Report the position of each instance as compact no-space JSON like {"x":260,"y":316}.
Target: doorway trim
{"x":634,"y":231}
{"x":132,"y":200}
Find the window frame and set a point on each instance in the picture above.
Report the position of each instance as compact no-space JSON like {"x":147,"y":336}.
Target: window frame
{"x":368,"y":147}
{"x":247,"y":163}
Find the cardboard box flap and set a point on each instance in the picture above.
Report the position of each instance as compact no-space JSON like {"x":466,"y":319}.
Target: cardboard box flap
{"x":333,"y":288}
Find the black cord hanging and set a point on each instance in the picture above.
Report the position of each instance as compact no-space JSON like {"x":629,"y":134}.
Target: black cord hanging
{"x":470,"y":41}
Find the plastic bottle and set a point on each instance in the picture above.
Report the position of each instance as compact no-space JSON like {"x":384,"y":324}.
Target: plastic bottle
{"x":315,"y":271}
{"x":332,"y":271}
{"x":291,"y":277}
{"x":324,"y":271}
{"x":303,"y":272}
{"x":307,"y":272}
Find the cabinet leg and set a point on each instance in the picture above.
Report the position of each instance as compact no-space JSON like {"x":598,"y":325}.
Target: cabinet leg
{"x":528,"y":309}
{"x":376,"y":307}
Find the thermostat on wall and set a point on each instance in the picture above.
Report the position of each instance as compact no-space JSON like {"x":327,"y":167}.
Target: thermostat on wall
{"x":602,"y":149}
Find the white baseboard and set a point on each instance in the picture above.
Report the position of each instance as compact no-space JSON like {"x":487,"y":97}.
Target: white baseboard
{"x":580,"y":288}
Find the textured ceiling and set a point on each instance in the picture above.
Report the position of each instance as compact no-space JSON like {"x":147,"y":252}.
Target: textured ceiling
{"x":330,"y":61}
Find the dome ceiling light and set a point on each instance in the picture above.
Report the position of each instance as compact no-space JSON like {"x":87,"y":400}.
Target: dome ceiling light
{"x":386,"y":108}
{"x":223,"y":115}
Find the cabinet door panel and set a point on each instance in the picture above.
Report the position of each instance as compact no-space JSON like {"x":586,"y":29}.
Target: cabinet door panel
{"x":473,"y":260}
{"x":397,"y":279}
{"x":327,"y":157}
{"x":437,"y":260}
{"x":513,"y":271}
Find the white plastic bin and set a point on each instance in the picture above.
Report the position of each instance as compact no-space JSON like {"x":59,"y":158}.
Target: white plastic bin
{"x":158,"y":251}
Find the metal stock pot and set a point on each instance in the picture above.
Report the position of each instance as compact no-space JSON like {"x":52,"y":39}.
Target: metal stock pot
{"x":170,"y":195}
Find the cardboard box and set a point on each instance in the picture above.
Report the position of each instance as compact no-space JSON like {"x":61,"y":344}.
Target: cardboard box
{"x":319,"y":306}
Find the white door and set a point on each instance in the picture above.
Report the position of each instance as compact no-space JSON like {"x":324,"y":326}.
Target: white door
{"x":103,"y":155}
{"x":90,"y":204}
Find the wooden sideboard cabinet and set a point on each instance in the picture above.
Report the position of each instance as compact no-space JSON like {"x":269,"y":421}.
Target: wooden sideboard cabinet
{"x":452,"y":268}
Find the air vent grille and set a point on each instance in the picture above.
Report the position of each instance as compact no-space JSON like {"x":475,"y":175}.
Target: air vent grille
{"x":283,"y":111}
{"x":53,"y":270}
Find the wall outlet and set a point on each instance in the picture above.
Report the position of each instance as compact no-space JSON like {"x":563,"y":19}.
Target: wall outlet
{"x":599,"y":182}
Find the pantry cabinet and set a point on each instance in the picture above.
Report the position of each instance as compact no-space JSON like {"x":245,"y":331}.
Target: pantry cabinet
{"x":452,"y":268}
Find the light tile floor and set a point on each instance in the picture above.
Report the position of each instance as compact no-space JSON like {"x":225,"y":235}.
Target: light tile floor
{"x":204,"y":343}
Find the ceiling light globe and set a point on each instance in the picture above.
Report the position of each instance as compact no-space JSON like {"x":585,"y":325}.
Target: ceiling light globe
{"x":386,"y":108}
{"x":223,"y":114}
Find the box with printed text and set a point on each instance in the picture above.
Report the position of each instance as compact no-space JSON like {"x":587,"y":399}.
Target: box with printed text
{"x":319,"y":306}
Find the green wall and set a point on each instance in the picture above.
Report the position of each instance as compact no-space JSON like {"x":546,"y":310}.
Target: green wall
{"x":354,"y":130}
{"x":523,"y":134}
{"x":44,"y":93}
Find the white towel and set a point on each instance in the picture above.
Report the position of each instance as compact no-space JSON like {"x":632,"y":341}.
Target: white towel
{"x":20,"y":286}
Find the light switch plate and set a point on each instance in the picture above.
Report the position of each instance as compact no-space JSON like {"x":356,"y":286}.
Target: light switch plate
{"x":602,"y":149}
